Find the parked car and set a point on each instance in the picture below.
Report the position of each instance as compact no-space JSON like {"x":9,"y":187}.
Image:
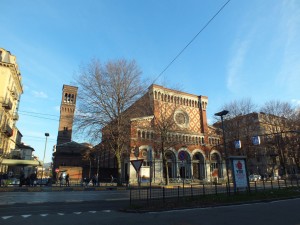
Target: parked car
{"x":254,"y":177}
{"x":43,"y":181}
{"x":13,"y":181}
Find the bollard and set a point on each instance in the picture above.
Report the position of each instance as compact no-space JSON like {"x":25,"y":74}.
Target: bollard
{"x":255,"y":186}
{"x":164,"y":194}
{"x":216,"y":189}
{"x":285,"y":183}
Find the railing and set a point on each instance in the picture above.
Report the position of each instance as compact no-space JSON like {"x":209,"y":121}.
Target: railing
{"x":148,"y":195}
{"x":7,"y":130}
{"x":6,"y":104}
{"x":15,"y":116}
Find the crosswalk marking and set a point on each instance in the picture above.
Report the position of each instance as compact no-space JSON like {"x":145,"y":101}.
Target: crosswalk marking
{"x":60,"y":214}
{"x":6,"y":217}
{"x":25,"y":216}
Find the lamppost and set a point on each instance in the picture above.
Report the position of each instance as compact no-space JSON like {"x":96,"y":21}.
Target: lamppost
{"x":221,"y":114}
{"x":46,"y":135}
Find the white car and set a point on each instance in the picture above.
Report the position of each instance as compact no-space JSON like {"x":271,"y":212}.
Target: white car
{"x":254,"y":177}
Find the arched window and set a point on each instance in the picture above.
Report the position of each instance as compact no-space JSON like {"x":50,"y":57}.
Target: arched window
{"x":66,"y":97}
{"x":139,"y":134}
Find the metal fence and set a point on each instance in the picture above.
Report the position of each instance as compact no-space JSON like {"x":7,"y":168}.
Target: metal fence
{"x":149,"y":195}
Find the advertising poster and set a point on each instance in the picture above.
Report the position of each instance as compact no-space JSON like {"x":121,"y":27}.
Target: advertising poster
{"x":240,"y":173}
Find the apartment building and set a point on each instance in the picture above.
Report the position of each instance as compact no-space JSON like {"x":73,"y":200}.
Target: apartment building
{"x":10,"y":91}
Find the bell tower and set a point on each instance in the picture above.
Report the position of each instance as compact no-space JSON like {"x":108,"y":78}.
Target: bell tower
{"x":67,"y":109}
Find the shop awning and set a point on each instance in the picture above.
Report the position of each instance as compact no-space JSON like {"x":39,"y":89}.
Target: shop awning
{"x":20,"y":162}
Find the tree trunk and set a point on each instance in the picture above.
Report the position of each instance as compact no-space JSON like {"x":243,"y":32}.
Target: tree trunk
{"x":119,"y":168}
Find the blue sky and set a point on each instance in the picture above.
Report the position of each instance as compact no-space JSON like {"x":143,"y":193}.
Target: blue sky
{"x":250,"y":50}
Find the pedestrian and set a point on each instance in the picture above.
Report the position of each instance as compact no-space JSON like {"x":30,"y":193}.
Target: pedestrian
{"x":94,"y":180}
{"x":22,"y":178}
{"x":60,"y":179}
{"x":86,"y":181}
{"x":67,"y":180}
{"x":32,"y":178}
{"x":112,"y":179}
{"x":1,"y":177}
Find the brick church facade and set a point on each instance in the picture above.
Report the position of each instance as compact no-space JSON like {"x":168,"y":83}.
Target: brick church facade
{"x":192,"y":147}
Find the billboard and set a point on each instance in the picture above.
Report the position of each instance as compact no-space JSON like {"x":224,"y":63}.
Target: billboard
{"x":239,"y":172}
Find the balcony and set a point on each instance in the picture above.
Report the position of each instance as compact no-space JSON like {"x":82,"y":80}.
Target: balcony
{"x":15,"y":116}
{"x":7,"y":104}
{"x":14,"y":94}
{"x":7,"y":130}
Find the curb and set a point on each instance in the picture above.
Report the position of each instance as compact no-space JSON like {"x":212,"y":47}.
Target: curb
{"x":56,"y":189}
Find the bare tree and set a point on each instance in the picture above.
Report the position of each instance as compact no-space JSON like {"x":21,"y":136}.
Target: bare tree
{"x":236,"y":127}
{"x":163,"y":139}
{"x":280,"y":119}
{"x":105,"y":92}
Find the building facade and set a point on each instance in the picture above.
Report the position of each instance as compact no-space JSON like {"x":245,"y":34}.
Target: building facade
{"x":68,"y":155}
{"x":11,"y":90}
{"x":268,"y":142}
{"x":67,"y":109}
{"x":189,"y":145}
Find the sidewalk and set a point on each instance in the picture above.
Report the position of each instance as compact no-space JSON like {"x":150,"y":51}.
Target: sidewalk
{"x":59,"y":188}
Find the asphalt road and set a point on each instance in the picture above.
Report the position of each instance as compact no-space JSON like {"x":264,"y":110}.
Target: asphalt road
{"x":103,"y":207}
{"x":272,"y":213}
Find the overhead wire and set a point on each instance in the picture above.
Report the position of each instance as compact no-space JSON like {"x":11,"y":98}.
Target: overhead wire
{"x":158,"y":76}
{"x":191,"y":41}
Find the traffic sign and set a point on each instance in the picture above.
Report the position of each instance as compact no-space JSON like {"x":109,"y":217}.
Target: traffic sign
{"x":137,"y":164}
{"x":182,"y":155}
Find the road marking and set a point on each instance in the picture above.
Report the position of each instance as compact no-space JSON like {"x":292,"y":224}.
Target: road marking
{"x":106,"y":210}
{"x":115,"y":199}
{"x":25,"y":216}
{"x":61,"y":214}
{"x":92,"y":211}
{"x":7,"y":203}
{"x":36,"y":202}
{"x":6,"y":217}
{"x":44,"y":215}
{"x":77,"y":213}
{"x":74,"y":201}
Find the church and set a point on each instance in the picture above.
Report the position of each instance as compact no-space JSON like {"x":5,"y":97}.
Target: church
{"x":191,"y":148}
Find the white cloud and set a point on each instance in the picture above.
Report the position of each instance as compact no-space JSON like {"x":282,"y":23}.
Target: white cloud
{"x":234,"y":78}
{"x":39,"y":94}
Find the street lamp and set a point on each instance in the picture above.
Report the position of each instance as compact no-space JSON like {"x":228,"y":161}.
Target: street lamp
{"x":221,"y":114}
{"x":46,"y":135}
